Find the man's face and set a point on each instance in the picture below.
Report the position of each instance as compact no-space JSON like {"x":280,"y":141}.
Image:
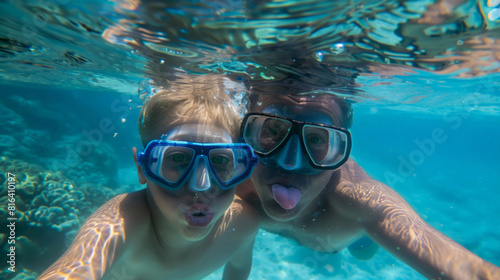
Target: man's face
{"x":286,"y":183}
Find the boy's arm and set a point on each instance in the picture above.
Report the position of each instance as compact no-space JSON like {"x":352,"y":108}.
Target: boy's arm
{"x":245,"y":220}
{"x":93,"y":250}
{"x":240,"y":265}
{"x":392,"y":223}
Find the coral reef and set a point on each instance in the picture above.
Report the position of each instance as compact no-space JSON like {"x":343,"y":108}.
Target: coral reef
{"x":49,"y":207}
{"x":64,"y":171}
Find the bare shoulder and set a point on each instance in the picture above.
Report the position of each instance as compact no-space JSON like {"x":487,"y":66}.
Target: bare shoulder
{"x":134,"y":210}
{"x":246,"y":191}
{"x":243,"y":216}
{"x":358,"y":195}
{"x":107,"y":217}
{"x":125,"y":211}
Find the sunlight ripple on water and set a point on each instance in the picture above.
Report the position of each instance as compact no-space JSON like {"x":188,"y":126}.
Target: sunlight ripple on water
{"x":369,"y":50}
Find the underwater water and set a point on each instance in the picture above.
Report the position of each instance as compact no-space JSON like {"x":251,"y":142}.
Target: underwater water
{"x":71,"y":73}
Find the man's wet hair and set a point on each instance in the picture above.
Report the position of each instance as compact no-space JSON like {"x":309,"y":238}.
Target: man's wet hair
{"x":265,"y":93}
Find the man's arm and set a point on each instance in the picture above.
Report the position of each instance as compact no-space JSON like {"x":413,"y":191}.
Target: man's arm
{"x":392,"y":223}
{"x":93,"y":250}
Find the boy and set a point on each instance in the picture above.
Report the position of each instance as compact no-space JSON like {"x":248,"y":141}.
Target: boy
{"x":306,"y":188}
{"x":185,"y":224}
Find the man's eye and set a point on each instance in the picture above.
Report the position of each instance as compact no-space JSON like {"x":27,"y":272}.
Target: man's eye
{"x":315,"y":140}
{"x":271,"y":132}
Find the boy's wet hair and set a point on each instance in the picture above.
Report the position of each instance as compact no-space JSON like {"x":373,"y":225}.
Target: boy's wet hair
{"x":267,"y":93}
{"x":206,"y":99}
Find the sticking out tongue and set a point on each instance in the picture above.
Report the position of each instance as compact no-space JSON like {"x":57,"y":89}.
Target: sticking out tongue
{"x":286,"y":197}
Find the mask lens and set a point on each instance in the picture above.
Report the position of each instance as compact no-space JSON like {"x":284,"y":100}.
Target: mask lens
{"x":264,"y":133}
{"x":173,"y":164}
{"x":229,"y":163}
{"x":326,"y":146}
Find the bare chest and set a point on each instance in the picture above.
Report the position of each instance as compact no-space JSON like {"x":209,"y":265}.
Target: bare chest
{"x":322,"y":233}
{"x":150,"y":261}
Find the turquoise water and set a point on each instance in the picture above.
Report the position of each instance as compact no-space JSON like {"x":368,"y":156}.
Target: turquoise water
{"x":69,"y":108}
{"x":454,"y":188}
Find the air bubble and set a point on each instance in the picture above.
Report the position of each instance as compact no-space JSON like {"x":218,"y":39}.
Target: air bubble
{"x":319,"y":56}
{"x":337,"y":49}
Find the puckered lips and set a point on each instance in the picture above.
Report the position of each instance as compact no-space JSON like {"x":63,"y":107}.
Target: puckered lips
{"x":198,"y":215}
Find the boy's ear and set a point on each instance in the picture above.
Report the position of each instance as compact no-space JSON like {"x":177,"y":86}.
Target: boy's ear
{"x":142,"y":178}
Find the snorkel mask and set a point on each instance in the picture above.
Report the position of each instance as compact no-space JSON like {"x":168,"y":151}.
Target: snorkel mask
{"x":280,"y":141}
{"x":171,"y":163}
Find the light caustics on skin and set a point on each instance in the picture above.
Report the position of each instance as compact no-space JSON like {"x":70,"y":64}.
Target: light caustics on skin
{"x":232,"y":212}
{"x":393,"y":218}
{"x":98,"y":240}
{"x":394,"y":223}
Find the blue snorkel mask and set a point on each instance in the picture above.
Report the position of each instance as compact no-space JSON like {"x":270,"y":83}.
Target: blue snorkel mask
{"x":171,"y":163}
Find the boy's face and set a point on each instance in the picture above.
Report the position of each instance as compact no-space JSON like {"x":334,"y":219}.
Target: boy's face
{"x":189,"y":211}
{"x":286,"y":183}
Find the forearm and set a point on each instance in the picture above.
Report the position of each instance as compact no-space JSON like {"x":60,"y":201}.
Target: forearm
{"x":235,"y":273}
{"x":392,"y":223}
{"x":94,"y":247}
{"x":72,"y":265}
{"x":241,"y":263}
{"x":430,"y":252}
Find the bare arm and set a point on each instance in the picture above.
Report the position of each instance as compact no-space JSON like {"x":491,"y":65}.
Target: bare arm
{"x":240,"y":265}
{"x":392,"y":223}
{"x":94,"y":248}
{"x":245,"y":219}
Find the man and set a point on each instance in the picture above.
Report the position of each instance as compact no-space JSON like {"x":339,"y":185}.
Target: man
{"x":306,"y":187}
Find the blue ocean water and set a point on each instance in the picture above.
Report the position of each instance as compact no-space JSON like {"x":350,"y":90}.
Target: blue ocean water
{"x":452,"y":184}
{"x":426,"y":105}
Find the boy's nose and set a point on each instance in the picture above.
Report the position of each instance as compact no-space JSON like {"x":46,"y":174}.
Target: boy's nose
{"x":290,"y":157}
{"x":200,"y":179}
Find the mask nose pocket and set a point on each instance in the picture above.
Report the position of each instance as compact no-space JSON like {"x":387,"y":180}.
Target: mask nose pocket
{"x":200,"y":178}
{"x":291,"y":155}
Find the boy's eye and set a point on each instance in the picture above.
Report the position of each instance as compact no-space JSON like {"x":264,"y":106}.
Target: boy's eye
{"x":219,"y":159}
{"x":179,"y":157}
